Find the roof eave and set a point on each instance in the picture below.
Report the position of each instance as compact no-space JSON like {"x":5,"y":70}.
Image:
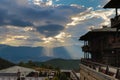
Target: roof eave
{"x":112,"y":4}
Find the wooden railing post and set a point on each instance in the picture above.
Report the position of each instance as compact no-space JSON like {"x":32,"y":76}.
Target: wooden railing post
{"x":118,"y":74}
{"x":99,"y":69}
{"x":107,"y":70}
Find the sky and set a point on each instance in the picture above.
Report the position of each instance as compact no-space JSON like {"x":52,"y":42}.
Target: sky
{"x":51,"y":23}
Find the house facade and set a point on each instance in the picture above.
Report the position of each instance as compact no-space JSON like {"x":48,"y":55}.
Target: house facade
{"x":102,"y":50}
{"x":103,"y":45}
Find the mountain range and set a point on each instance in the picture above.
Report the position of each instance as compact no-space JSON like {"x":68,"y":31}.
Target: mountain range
{"x":68,"y":64}
{"x":22,"y":53}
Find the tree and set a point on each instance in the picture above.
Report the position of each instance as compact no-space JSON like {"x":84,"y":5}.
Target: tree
{"x":21,"y":63}
{"x":46,"y":79}
{"x":55,"y":78}
{"x":30,"y":63}
{"x":62,"y":76}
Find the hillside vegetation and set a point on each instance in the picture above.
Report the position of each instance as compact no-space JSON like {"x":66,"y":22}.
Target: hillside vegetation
{"x":5,"y":64}
{"x":61,"y":63}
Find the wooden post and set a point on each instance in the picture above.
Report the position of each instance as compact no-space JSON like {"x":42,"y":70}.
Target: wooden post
{"x":99,"y":69}
{"x":84,"y":55}
{"x":107,"y":70}
{"x":88,"y":55}
{"x":117,"y":74}
{"x":116,"y":11}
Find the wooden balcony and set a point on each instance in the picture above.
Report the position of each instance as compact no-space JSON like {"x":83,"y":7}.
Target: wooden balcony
{"x":115,"y":45}
{"x":111,"y":46}
{"x":86,"y":48}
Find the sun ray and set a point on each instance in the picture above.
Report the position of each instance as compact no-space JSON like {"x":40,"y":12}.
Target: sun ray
{"x":48,"y":51}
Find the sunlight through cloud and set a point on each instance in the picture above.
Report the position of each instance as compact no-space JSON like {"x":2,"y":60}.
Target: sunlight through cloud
{"x":88,"y":15}
{"x":41,"y":2}
{"x":49,"y":23}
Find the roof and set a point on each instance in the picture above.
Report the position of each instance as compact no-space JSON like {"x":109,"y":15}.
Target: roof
{"x":98,"y":33}
{"x":16,"y":69}
{"x":65,"y":70}
{"x":104,"y":29}
{"x":113,"y":4}
{"x":8,"y":74}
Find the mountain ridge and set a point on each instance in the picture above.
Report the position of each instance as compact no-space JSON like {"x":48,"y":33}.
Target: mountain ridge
{"x":23,"y":53}
{"x":69,"y":64}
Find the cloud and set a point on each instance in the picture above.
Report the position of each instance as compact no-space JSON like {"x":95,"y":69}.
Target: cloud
{"x":24,"y":24}
{"x":20,"y":13}
{"x":50,"y":23}
{"x":42,"y":3}
{"x":96,"y":18}
{"x":10,"y":13}
{"x":40,"y":24}
{"x":50,"y":30}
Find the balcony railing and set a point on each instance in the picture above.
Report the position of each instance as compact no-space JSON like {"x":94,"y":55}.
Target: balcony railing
{"x":86,"y":48}
{"x":115,"y":45}
{"x":114,"y":72}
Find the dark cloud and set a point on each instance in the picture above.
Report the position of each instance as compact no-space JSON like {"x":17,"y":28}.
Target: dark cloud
{"x":20,"y":13}
{"x":10,"y":14}
{"x":17,"y":22}
{"x":50,"y":30}
{"x":41,"y":15}
{"x":2,"y":14}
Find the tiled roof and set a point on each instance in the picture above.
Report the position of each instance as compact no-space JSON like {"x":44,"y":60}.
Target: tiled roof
{"x":8,"y":74}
